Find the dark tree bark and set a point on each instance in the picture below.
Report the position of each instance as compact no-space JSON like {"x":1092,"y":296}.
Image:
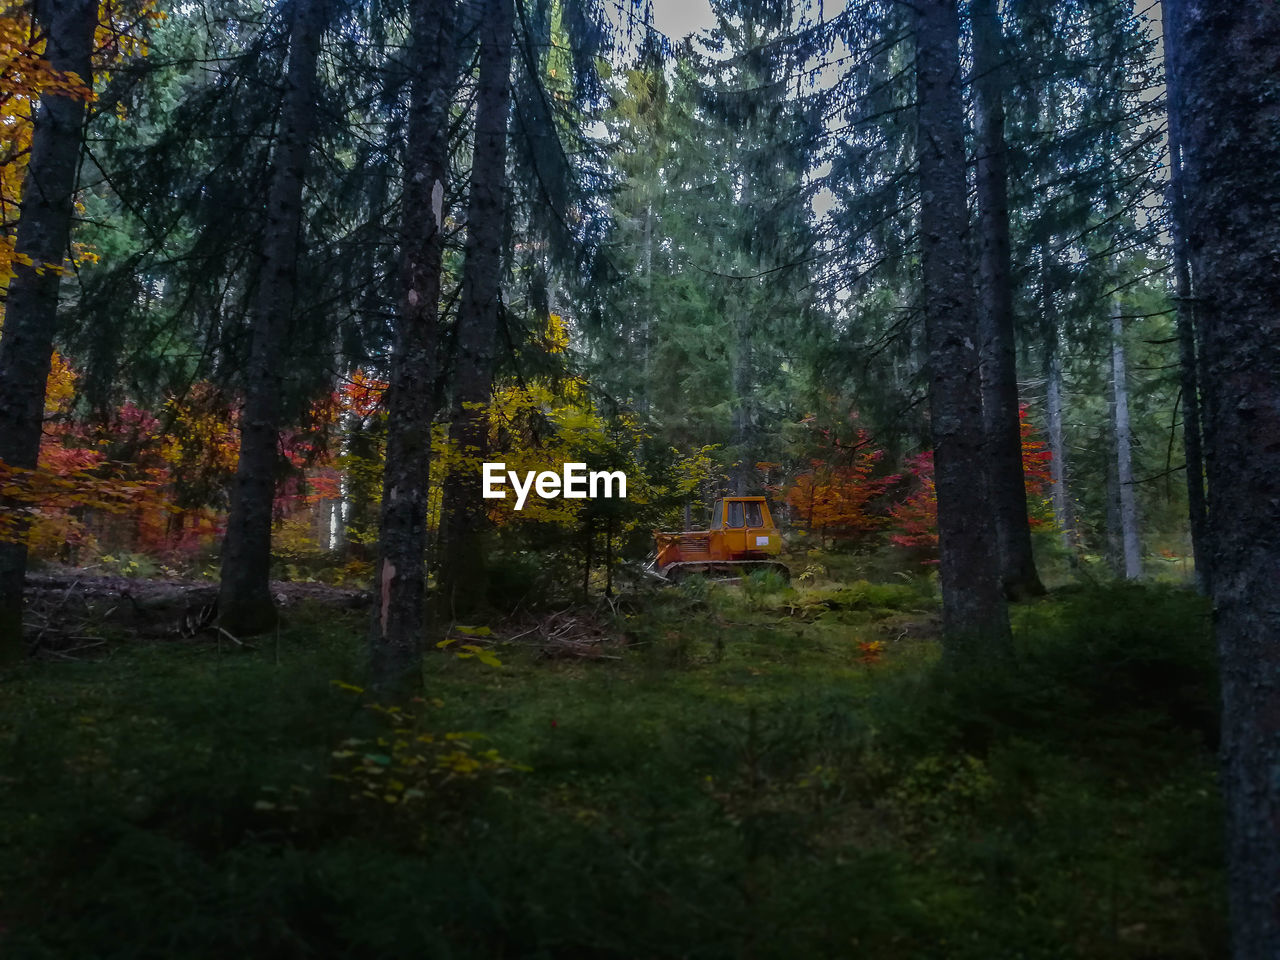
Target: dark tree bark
{"x":245,"y":606}
{"x":399,"y":615}
{"x":31,"y":304}
{"x":975,"y":619}
{"x":1189,"y":361}
{"x":1000,"y":407}
{"x":463,"y":581}
{"x":1228,"y":92}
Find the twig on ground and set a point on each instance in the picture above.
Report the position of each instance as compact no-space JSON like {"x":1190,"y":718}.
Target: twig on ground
{"x":234,"y":639}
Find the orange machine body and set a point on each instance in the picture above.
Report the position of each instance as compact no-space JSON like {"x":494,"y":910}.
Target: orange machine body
{"x":742,"y":535}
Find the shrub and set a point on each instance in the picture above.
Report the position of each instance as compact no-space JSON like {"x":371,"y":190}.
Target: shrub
{"x":760,"y":584}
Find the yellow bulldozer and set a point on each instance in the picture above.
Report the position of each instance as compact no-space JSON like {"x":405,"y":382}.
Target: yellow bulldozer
{"x":743,"y":538}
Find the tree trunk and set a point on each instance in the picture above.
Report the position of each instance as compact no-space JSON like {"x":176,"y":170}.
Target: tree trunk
{"x":399,"y":615}
{"x":1192,"y":437}
{"x":31,"y":302}
{"x":588,"y":540}
{"x":742,"y":306}
{"x":646,"y":347}
{"x":245,"y":606}
{"x":463,"y":581}
{"x":1126,"y":493}
{"x":742,"y":418}
{"x":608,"y":555}
{"x":1229,"y":99}
{"x":1063,"y":510}
{"x":1114,"y":551}
{"x":1000,"y":407}
{"x":358,"y":518}
{"x":975,"y":619}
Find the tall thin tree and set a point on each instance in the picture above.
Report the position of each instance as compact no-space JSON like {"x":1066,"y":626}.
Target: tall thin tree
{"x":1126,"y":494}
{"x":975,"y":619}
{"x":43,"y":242}
{"x":1228,"y":96}
{"x":462,"y":570}
{"x":399,"y":614}
{"x":244,"y":601}
{"x":1064,"y":513}
{"x":1189,"y":361}
{"x":1000,"y":405}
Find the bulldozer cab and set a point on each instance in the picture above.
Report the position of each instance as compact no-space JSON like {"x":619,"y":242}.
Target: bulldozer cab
{"x":745,"y":525}
{"x":741,"y":513}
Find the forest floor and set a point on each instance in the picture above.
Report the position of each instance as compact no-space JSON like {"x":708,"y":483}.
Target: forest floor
{"x":715,"y":771}
{"x":73,"y":613}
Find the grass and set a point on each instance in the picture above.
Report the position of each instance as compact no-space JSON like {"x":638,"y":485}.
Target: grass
{"x":751,"y":779}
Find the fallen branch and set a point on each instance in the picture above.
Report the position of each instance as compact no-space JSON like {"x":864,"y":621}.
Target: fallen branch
{"x":234,"y":639}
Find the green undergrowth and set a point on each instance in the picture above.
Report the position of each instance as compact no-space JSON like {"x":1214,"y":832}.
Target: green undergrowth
{"x":764,"y":771}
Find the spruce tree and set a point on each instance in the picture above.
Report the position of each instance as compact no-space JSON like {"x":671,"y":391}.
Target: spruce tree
{"x":462,"y":567}
{"x":1228,"y":99}
{"x":43,"y":243}
{"x":1188,"y":339}
{"x":1000,"y":402}
{"x":245,"y":602}
{"x":975,"y":621}
{"x":398,"y":625}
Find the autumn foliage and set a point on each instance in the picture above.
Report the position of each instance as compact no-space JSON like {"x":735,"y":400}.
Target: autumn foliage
{"x":25,"y":76}
{"x":915,"y":518}
{"x":154,"y":482}
{"x":838,"y":500}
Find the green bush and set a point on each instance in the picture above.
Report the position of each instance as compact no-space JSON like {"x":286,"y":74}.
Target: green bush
{"x":759,"y":584}
{"x":1118,"y":667}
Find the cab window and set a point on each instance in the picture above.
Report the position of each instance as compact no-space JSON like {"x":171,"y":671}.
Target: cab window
{"x":754,"y":518}
{"x":717,"y":516}
{"x":735,"y":515}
